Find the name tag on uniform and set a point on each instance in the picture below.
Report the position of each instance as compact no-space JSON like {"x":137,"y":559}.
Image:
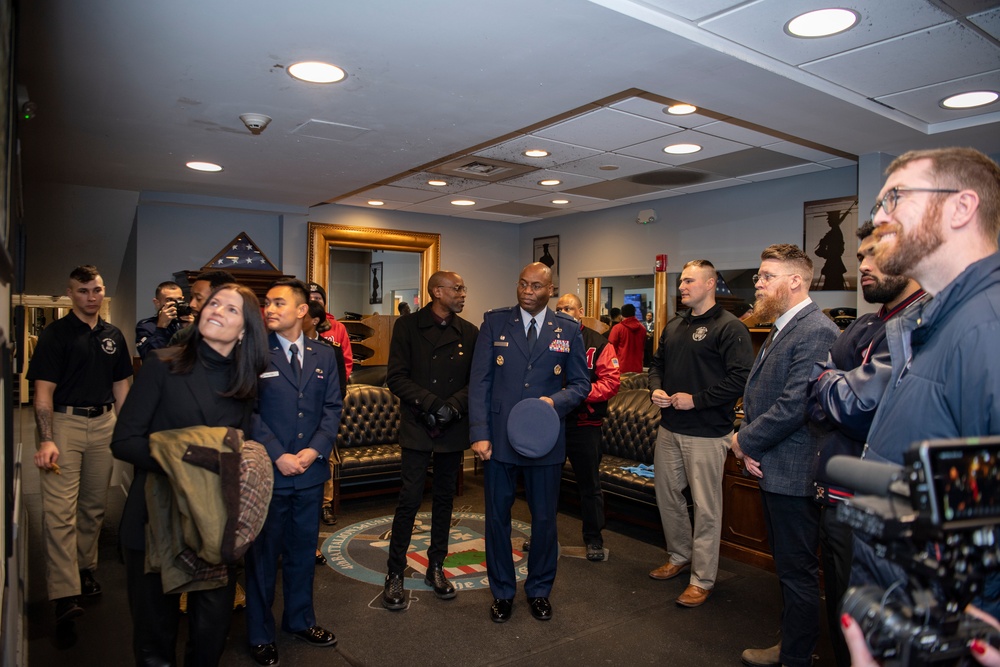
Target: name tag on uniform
{"x":269,"y":374}
{"x":559,"y":345}
{"x":500,"y":343}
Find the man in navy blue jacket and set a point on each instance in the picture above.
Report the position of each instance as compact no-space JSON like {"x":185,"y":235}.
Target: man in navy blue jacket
{"x":296,"y":419}
{"x":507,"y":368}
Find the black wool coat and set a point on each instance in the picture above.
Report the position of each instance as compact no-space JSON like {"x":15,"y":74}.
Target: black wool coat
{"x":428,"y":366}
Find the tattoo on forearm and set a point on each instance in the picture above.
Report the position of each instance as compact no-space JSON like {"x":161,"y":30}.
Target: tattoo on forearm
{"x":43,"y":418}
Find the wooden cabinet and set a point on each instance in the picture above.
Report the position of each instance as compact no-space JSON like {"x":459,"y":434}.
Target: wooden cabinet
{"x":744,"y":535}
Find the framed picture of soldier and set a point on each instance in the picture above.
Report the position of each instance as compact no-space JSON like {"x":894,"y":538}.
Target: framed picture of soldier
{"x":546,"y":251}
{"x":375,"y":282}
{"x":830,"y":227}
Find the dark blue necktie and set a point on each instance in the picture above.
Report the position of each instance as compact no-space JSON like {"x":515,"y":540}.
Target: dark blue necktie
{"x":532,"y":336}
{"x":296,"y":367}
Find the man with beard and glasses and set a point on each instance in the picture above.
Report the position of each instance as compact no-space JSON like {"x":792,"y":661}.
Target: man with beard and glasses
{"x":937,"y":220}
{"x":776,"y":445}
{"x":843,"y":397}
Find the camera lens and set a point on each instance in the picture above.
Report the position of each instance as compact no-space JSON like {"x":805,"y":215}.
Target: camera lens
{"x":886,"y":627}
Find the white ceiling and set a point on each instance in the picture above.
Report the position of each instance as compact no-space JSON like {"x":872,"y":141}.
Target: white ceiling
{"x":127,"y":92}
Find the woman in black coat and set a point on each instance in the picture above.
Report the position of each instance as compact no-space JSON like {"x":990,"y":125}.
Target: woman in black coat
{"x":209,"y":380}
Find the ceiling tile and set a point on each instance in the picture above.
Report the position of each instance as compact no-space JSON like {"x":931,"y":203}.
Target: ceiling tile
{"x":501,"y":191}
{"x":419,"y":180}
{"x":599,"y":206}
{"x":655,"y":110}
{"x":444,"y":205}
{"x":614,"y":189}
{"x":398,"y":194}
{"x":712,"y":185}
{"x":919,"y":59}
{"x":324,"y":129}
{"x":575,"y":201}
{"x":568,"y":180}
{"x":838,"y":162}
{"x":481,"y":215}
{"x":650,"y":197}
{"x":749,"y":161}
{"x":710,"y":147}
{"x":591,"y":166}
{"x":737,"y":133}
{"x":520,"y":208}
{"x":607,"y":129}
{"x":989,"y":21}
{"x":692,"y":10}
{"x":362,"y":201}
{"x":513,"y":151}
{"x":924,"y":103}
{"x":804,"y":152}
{"x":782,"y":173}
{"x":760,"y":26}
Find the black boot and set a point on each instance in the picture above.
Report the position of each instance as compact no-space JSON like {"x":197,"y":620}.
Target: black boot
{"x":393,"y":595}
{"x":435,"y":579}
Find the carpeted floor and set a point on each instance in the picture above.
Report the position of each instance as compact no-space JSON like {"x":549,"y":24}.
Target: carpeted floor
{"x":608,"y":613}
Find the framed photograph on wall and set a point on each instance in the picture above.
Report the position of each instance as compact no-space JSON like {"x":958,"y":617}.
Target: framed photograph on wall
{"x":546,"y":251}
{"x":831,"y":243}
{"x":375,"y":280}
{"x":605,"y":301}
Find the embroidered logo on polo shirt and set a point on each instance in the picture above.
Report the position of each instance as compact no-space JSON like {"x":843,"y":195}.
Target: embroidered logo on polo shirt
{"x":700,"y":333}
{"x":108,"y":345}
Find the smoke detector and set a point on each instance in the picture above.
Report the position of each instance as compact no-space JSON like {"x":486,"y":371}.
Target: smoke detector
{"x":255,"y":122}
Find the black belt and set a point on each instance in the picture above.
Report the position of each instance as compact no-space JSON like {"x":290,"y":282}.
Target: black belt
{"x":89,"y":413}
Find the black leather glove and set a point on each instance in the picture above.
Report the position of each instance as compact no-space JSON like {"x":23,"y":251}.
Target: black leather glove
{"x":446,"y":415}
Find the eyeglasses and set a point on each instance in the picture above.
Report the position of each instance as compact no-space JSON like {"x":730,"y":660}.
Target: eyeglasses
{"x":889,"y":200}
{"x":458,"y":289}
{"x":534,"y":287}
{"x":768,"y":277}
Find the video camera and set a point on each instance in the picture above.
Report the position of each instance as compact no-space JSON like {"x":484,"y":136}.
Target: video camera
{"x":938,"y":518}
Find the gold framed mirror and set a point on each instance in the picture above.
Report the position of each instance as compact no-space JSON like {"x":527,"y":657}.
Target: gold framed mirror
{"x":323,"y":237}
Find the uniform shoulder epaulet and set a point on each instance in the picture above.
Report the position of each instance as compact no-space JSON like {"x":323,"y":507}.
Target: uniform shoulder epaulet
{"x":560,"y":314}
{"x":504,"y":309}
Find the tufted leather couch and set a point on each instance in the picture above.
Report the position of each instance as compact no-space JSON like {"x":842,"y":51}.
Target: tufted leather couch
{"x":628,"y":438}
{"x":634,"y":381}
{"x":369,"y":458}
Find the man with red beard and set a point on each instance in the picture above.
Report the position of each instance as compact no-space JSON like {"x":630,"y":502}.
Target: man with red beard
{"x":937,"y":220}
{"x":843,"y":398}
{"x":776,"y":445}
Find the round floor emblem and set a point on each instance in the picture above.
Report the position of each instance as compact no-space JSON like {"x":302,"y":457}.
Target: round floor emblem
{"x":359,"y":551}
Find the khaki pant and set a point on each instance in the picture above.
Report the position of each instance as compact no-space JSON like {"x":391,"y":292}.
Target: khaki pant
{"x":74,"y":501}
{"x":686,"y":460}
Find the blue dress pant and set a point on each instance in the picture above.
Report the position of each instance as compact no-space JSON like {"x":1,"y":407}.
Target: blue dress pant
{"x":583,"y":449}
{"x":290,"y":533}
{"x":793,"y":532}
{"x":541,"y":487}
{"x":414,"y":474}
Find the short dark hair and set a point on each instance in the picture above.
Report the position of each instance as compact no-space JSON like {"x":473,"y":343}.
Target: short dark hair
{"x":615,"y":312}
{"x":628,"y":310}
{"x":866,"y":230}
{"x":84,"y":273}
{"x":316,"y":310}
{"x":300,"y":289}
{"x":166,"y":284}
{"x":216,"y":278}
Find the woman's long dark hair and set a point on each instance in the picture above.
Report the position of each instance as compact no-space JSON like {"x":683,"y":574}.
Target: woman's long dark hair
{"x":249,"y":355}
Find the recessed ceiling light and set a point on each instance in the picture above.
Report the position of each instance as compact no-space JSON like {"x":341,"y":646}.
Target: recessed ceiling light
{"x":375,"y":202}
{"x":550,"y":181}
{"x":463,"y":202}
{"x":437,"y":184}
{"x":680,"y":109}
{"x":608,"y":167}
{"x":822,"y":23}
{"x":536,"y":152}
{"x":560,"y":201}
{"x":682,"y":149}
{"x":969,"y":100}
{"x":204,"y":166}
{"x":317,"y":72}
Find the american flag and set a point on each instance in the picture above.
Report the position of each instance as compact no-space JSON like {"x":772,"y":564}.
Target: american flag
{"x":244,"y":255}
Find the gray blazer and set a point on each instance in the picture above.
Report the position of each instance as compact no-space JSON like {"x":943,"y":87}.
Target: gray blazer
{"x":775,"y":430}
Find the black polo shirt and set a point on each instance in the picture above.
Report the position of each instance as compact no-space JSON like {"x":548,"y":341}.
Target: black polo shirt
{"x":82,"y":362}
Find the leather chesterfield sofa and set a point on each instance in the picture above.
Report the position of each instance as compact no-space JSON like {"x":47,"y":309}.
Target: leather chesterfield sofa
{"x":628,"y":438}
{"x":369,"y":458}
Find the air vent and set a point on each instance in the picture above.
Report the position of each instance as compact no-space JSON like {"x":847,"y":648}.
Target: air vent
{"x":481,"y":169}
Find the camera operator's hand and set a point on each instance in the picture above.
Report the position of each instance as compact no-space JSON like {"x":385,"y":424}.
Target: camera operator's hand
{"x":167,"y":314}
{"x":861,"y":656}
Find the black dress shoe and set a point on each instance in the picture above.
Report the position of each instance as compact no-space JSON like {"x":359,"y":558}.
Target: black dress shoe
{"x":320,"y":559}
{"x":67,"y":609}
{"x":526,"y":547}
{"x":595,"y":552}
{"x":501,"y":610}
{"x":88,"y":585}
{"x":329,"y":518}
{"x":265,"y":654}
{"x":435,"y":579}
{"x":316,"y":636}
{"x":393,"y":595}
{"x":540,"y":608}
